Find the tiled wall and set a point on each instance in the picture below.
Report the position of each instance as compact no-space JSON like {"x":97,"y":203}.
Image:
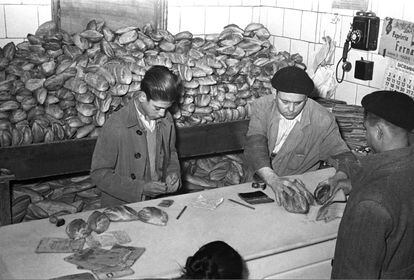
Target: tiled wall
{"x":20,"y":17}
{"x":295,"y":25}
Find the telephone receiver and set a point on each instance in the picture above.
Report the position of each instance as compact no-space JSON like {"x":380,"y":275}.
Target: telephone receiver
{"x":346,"y":65}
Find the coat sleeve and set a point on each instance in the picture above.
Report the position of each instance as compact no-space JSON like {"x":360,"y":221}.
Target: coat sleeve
{"x":361,"y":243}
{"x":173,"y":164}
{"x":103,"y":174}
{"x":256,"y":149}
{"x":333,"y":145}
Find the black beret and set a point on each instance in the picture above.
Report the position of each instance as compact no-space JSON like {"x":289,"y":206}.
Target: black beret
{"x":292,"y":79}
{"x":392,"y":106}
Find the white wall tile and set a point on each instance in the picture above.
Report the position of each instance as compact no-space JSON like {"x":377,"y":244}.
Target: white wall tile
{"x":338,"y":54}
{"x":281,"y":44}
{"x":187,"y":2}
{"x":325,"y":6}
{"x":173,"y":3}
{"x":256,"y":14}
{"x":285,"y":3}
{"x":216,"y":19}
{"x":275,"y":18}
{"x":230,"y":2}
{"x":4,"y":41}
{"x":263,"y":16}
{"x":173,"y":20}
{"x":26,"y":2}
{"x":241,"y":16}
{"x":45,"y":14}
{"x":292,"y":23}
{"x":408,"y":14}
{"x":206,"y":2}
{"x":361,"y":92}
{"x":394,"y":9}
{"x":305,"y":5}
{"x":346,"y":22}
{"x":300,"y":47}
{"x":251,"y":3}
{"x":2,"y":22}
{"x":20,"y":20}
{"x":268,"y":3}
{"x":346,"y":92}
{"x":328,"y":25}
{"x":192,"y":19}
{"x":380,"y":65}
{"x":308,"y":29}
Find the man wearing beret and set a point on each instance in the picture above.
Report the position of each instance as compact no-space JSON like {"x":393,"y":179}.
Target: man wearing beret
{"x":376,"y":234}
{"x":289,"y":133}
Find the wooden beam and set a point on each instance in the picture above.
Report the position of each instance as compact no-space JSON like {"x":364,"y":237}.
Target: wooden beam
{"x":75,"y":156}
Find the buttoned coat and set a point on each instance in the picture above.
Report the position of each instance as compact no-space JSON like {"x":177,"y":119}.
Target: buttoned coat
{"x":314,"y":138}
{"x":120,"y":163}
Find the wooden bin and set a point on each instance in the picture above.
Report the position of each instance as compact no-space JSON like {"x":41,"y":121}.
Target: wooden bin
{"x":73,"y":15}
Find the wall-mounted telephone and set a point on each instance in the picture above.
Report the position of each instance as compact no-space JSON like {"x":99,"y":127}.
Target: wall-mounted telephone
{"x":365,"y":28}
{"x":363,"y":35}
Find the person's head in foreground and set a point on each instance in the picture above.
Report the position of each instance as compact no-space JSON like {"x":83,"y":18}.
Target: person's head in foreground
{"x":215,"y":260}
{"x":159,"y":89}
{"x":293,"y":87}
{"x":389,"y":118}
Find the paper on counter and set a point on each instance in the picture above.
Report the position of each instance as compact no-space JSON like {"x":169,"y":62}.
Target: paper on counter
{"x":109,"y":238}
{"x":59,"y":245}
{"x":207,"y":203}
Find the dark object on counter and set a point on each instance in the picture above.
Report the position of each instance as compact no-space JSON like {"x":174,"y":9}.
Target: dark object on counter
{"x":239,"y":203}
{"x":256,"y":185}
{"x":256,"y":197}
{"x":322,"y":192}
{"x":181,"y":212}
{"x":166,"y":203}
{"x":54,"y":219}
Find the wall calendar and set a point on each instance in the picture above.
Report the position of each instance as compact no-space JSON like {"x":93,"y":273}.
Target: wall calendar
{"x":399,"y":76}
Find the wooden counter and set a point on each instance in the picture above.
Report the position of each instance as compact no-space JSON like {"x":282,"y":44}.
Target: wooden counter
{"x":273,"y":242}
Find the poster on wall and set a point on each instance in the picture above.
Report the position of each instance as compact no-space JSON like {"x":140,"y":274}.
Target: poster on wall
{"x":399,"y":76}
{"x":361,"y":5}
{"x":397,"y":40}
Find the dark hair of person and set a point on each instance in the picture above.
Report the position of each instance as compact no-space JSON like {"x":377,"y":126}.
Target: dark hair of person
{"x":159,"y":83}
{"x":373,"y":119}
{"x":215,"y":260}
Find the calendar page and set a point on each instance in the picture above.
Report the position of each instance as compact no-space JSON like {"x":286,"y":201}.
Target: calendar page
{"x":399,"y":76}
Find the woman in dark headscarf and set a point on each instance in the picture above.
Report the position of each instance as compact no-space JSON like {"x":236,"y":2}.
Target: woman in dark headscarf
{"x":215,"y":260}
